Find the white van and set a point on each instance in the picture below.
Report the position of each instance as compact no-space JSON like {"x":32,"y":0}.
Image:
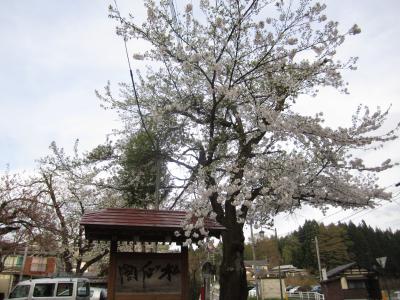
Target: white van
{"x":52,"y":289}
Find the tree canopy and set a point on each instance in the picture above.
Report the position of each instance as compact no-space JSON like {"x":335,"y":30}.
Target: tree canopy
{"x":43,"y":209}
{"x":223,"y":89}
{"x":20,"y":216}
{"x":340,"y":244}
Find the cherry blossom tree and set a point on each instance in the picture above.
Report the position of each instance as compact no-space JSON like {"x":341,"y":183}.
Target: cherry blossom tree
{"x":224,"y":85}
{"x":66,"y":186}
{"x":19,"y":216}
{"x":16,"y":209}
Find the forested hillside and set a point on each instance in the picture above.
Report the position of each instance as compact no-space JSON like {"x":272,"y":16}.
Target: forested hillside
{"x":338,"y":244}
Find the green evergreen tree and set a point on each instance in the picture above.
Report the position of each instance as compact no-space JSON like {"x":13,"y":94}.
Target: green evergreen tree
{"x":306,"y":235}
{"x":140,"y":163}
{"x":134,"y":162}
{"x":333,"y":241}
{"x":290,"y":250}
{"x":359,"y":249}
{"x":340,"y":244}
{"x":369,"y":244}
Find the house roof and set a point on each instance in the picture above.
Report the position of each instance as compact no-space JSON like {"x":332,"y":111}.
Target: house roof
{"x":128,"y":224}
{"x":250,"y":263}
{"x":350,"y":270}
{"x":339,"y":269}
{"x":285,"y":267}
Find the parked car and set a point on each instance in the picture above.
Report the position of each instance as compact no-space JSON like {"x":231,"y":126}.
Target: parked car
{"x":253,"y":292}
{"x":294,"y":289}
{"x":316,"y":289}
{"x":304,"y":288}
{"x":52,"y":289}
{"x":97,"y":293}
{"x":289,"y":287}
{"x":396,"y":295}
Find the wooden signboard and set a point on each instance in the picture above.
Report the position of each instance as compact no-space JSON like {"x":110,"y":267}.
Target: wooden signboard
{"x":144,"y":276}
{"x":149,"y":276}
{"x":148,"y":273}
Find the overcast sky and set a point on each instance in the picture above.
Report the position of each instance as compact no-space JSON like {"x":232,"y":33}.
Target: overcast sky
{"x":54,"y":54}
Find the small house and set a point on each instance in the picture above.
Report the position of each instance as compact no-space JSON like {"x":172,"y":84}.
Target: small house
{"x":35,"y":266}
{"x":289,"y":271}
{"x":351,"y":281}
{"x":255,"y":268}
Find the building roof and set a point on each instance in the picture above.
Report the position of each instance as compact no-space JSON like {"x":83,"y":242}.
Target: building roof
{"x":350,"y":270}
{"x":339,"y":269}
{"x":258,"y":263}
{"x":285,"y":267}
{"x":128,"y":224}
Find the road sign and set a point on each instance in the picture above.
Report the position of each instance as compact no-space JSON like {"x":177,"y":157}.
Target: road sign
{"x":382,"y":261}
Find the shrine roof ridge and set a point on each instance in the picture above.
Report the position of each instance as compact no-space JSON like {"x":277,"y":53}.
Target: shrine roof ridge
{"x":133,"y":217}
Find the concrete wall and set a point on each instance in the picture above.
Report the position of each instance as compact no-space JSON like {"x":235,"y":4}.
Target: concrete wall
{"x":5,"y":281}
{"x":270,"y":288}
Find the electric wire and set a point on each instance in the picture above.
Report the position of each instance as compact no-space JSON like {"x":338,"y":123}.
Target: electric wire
{"x":349,"y":216}
{"x":342,"y":210}
{"x":154,"y":142}
{"x":133,"y":82}
{"x":395,"y":197}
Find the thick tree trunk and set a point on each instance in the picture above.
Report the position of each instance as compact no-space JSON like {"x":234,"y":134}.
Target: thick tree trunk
{"x":66,"y":257}
{"x":232,"y":272}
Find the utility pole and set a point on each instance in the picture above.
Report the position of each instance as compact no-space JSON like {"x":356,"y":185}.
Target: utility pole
{"x":279,"y":264}
{"x":253,"y":249}
{"x":21,"y":274}
{"x":158,"y":179}
{"x":382,"y":263}
{"x":318,"y":258}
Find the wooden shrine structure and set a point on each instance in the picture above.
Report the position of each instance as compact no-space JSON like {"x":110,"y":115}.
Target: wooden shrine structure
{"x":144,"y":275}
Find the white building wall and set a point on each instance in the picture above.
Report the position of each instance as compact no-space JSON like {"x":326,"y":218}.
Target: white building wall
{"x":270,"y":288}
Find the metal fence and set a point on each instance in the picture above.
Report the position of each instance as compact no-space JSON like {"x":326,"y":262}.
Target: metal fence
{"x":214,"y":295}
{"x":305,"y":296}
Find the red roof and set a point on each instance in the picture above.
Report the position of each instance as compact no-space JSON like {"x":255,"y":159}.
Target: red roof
{"x":124,"y":223}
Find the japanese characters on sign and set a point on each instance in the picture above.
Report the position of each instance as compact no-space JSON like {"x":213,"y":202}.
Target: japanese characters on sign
{"x":161,"y":273}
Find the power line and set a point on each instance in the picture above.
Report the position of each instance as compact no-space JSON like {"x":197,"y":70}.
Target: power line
{"x":335,"y":213}
{"x":133,"y":81}
{"x":153,"y":140}
{"x":342,"y":210}
{"x":396,"y":202}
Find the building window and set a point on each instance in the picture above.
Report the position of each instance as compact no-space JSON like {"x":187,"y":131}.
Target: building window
{"x":10,"y":262}
{"x":20,"y":260}
{"x":356,"y":284}
{"x":39,"y":264}
{"x":13,"y":261}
